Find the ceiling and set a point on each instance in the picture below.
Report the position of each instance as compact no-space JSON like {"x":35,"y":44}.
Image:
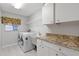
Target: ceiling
{"x":27,"y":9}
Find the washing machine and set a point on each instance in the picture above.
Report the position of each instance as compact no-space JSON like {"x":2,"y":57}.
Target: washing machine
{"x":25,"y":41}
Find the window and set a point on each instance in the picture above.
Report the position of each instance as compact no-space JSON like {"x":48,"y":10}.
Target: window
{"x":15,"y":27}
{"x":10,"y":27}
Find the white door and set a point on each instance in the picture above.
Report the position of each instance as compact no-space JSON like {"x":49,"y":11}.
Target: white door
{"x":65,"y":12}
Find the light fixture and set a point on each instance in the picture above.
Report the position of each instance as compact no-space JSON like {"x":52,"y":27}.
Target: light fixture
{"x":17,"y":5}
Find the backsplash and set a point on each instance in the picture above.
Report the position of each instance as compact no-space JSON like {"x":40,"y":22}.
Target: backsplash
{"x":65,"y":40}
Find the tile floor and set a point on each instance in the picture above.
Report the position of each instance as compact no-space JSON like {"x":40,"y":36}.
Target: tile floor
{"x":15,"y":50}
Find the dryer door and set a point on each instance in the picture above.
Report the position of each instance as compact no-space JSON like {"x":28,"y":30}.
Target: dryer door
{"x":27,"y":43}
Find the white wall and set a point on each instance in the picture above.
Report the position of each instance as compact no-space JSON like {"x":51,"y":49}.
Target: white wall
{"x":71,"y":28}
{"x":9,"y":38}
{"x":35,"y":23}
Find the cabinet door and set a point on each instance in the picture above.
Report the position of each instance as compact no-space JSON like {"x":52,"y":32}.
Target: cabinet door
{"x":39,"y":42}
{"x":47,"y":13}
{"x":65,"y":12}
{"x":69,"y":52}
{"x":42,"y":51}
{"x":53,"y":52}
{"x":39,"y":50}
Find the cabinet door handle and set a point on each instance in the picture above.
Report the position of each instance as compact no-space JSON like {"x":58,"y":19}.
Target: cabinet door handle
{"x":58,"y":20}
{"x":56,"y":54}
{"x":59,"y":49}
{"x":42,"y":47}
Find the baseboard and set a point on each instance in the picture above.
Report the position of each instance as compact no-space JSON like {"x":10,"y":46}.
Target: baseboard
{"x":9,"y":45}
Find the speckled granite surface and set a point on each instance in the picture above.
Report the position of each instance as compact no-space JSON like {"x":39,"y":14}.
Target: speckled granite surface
{"x":68,"y":41}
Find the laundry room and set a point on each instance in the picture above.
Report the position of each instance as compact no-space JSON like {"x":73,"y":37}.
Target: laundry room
{"x":39,"y":29}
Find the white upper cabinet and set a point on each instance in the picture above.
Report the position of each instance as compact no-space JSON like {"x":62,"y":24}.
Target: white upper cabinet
{"x":48,"y":13}
{"x":60,"y":12}
{"x":65,"y":12}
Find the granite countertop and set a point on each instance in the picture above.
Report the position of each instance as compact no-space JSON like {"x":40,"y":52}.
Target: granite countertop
{"x":67,"y":41}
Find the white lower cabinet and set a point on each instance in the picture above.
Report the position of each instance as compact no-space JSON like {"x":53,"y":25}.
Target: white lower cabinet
{"x":42,"y":50}
{"x":53,"y":52}
{"x":48,"y":49}
{"x":69,"y":52}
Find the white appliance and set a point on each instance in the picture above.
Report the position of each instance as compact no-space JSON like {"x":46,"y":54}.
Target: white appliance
{"x":25,"y":41}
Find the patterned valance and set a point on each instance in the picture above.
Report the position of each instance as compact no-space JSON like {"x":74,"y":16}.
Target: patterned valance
{"x":8,"y":20}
